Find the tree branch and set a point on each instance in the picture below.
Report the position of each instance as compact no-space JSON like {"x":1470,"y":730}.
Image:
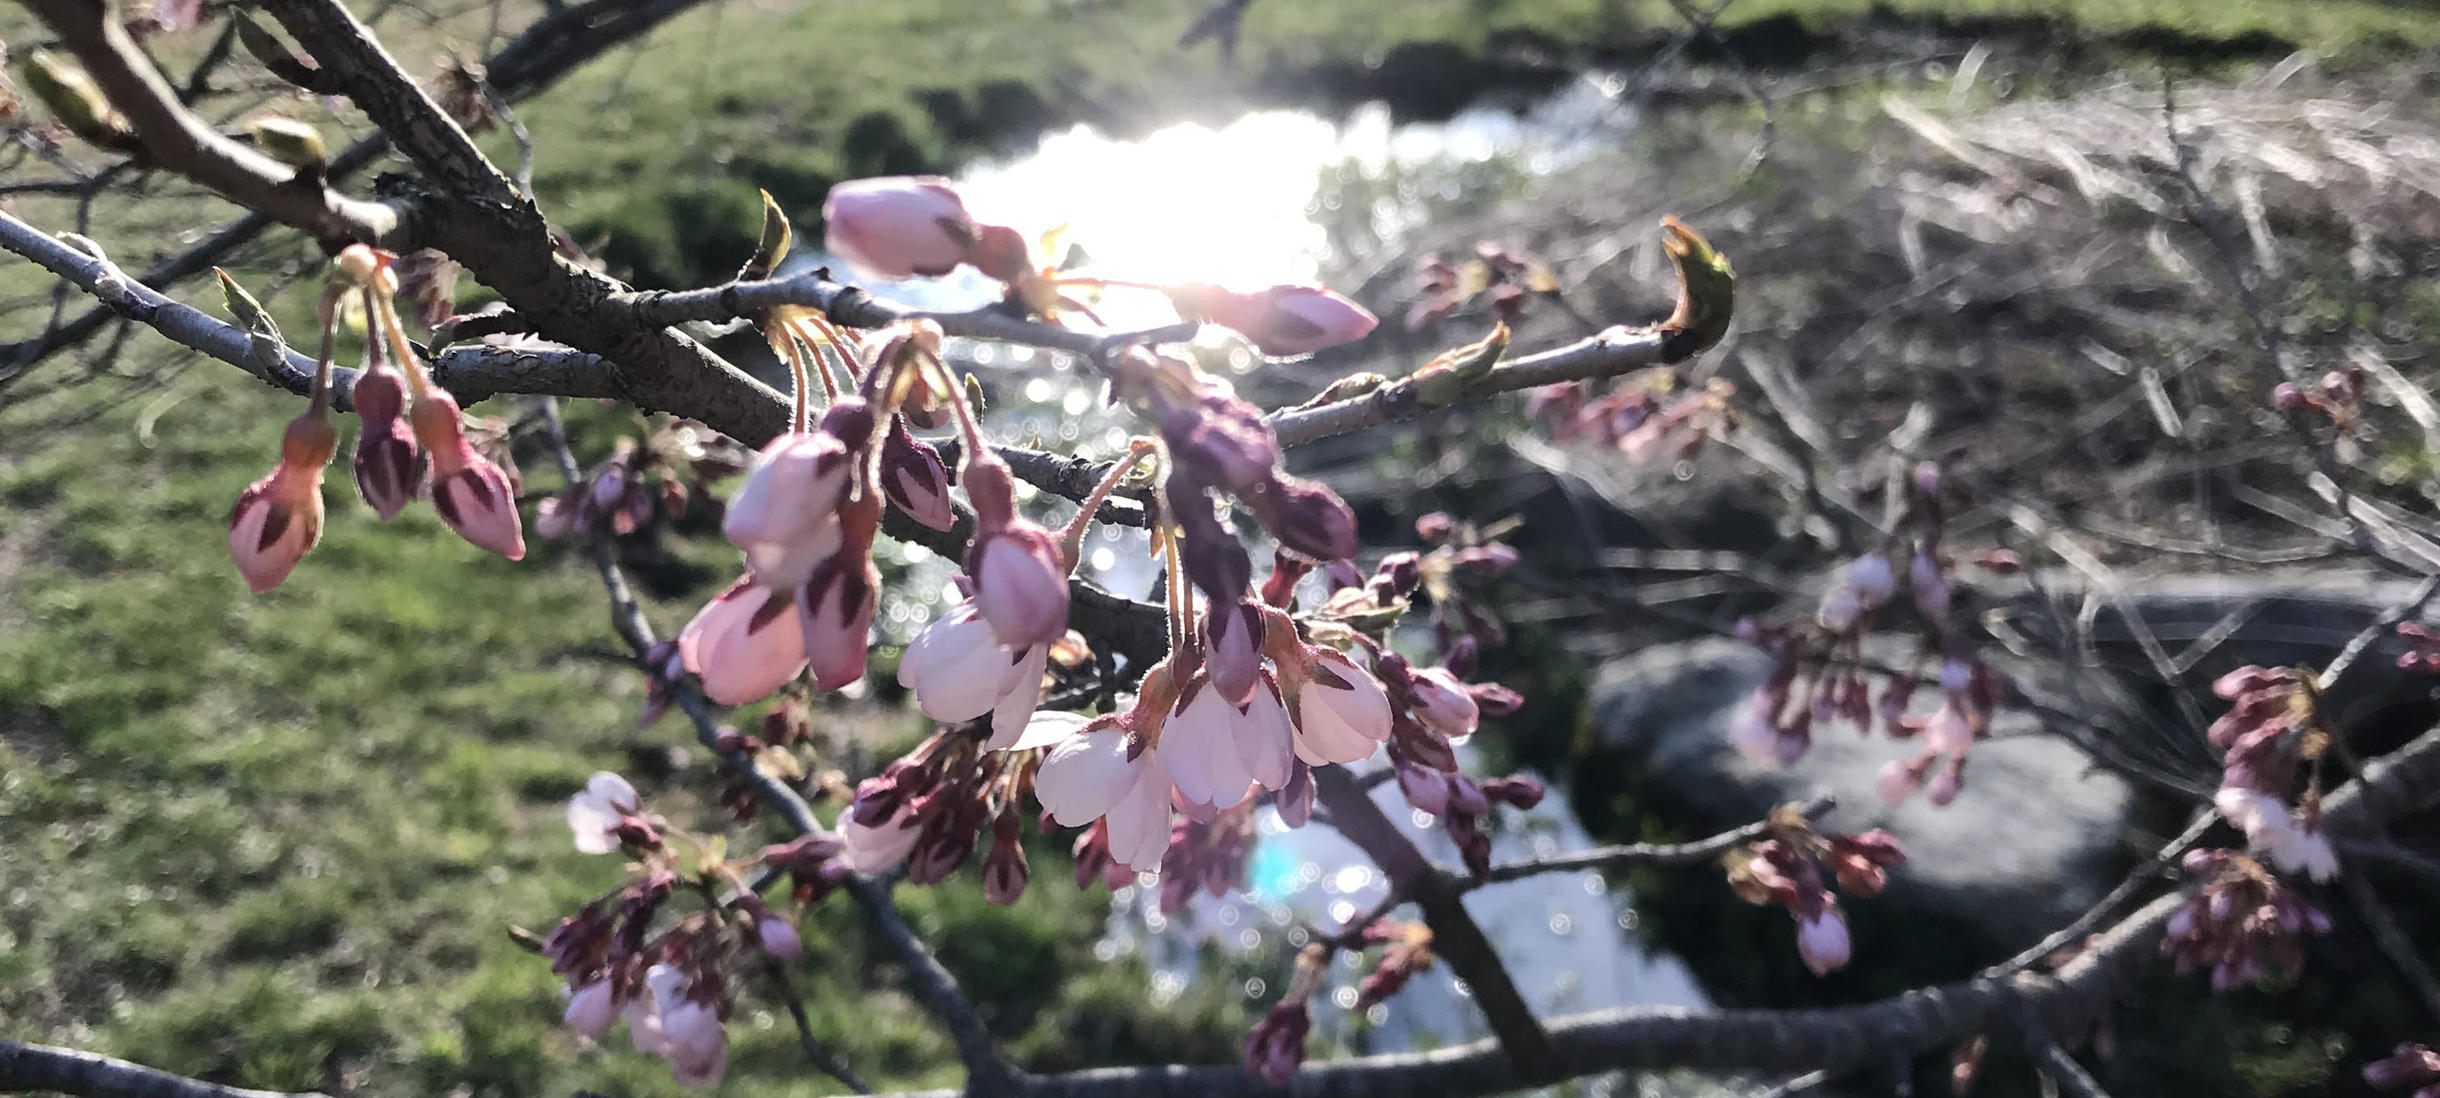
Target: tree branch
{"x":25,"y":1067}
{"x":1456,"y":938}
{"x":1628,"y":856}
{"x":174,"y":139}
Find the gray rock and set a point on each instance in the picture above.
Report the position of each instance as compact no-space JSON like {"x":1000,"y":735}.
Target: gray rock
{"x":2037,"y":836}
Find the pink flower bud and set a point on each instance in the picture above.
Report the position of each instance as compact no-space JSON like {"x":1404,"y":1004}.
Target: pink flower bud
{"x":1426,"y":790}
{"x":1949,"y":732}
{"x":471,"y":492}
{"x":592,"y":1009}
{"x":389,"y":468}
{"x":1948,"y":783}
{"x":279,"y":518}
{"x":1872,"y":578}
{"x":1305,"y":517}
{"x":1930,"y":587}
{"x":1899,"y":779}
{"x":1822,"y":941}
{"x":1466,"y":798}
{"x":777,"y":937}
{"x":1516,"y":789}
{"x":1020,"y":584}
{"x":1279,"y":320}
{"x":1232,"y":646}
{"x":897,"y":226}
{"x":1276,"y":1046}
{"x":745,"y":643}
{"x":1443,"y":704}
{"x":786,"y":514}
{"x":1004,"y":870}
{"x":836,"y":608}
{"x":1494,"y":700}
{"x":914,"y":477}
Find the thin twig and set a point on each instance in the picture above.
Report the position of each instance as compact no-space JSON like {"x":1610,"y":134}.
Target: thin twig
{"x":1698,"y":852}
{"x":2392,"y":941}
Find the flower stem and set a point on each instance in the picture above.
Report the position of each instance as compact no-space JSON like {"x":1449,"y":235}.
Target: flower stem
{"x":1071,"y":541}
{"x":380,"y":315}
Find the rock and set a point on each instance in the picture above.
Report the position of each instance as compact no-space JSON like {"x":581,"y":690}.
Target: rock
{"x":2036,"y":837}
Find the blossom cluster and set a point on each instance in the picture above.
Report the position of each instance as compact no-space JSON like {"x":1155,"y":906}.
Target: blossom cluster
{"x":1785,"y":870}
{"x":670,"y":980}
{"x":413,"y":442}
{"x":2240,"y":922}
{"x":659,"y":477}
{"x":2272,"y":739}
{"x":1819,"y":674}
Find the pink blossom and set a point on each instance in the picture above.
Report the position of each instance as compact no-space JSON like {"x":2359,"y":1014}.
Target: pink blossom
{"x":1199,"y":749}
{"x":1089,"y":772}
{"x":597,"y":814}
{"x":1822,"y":941}
{"x":745,"y":643}
{"x":1266,"y":739}
{"x":1947,"y":784}
{"x":471,"y":492}
{"x":1279,"y":320}
{"x":786,"y":515}
{"x":959,"y":672}
{"x":1872,"y":579}
{"x":1342,"y":714}
{"x":898,"y":226}
{"x":695,"y":1043}
{"x":1275,"y":1048}
{"x":592,"y":1009}
{"x":1443,"y":704}
{"x":1949,"y":732}
{"x":278,"y":519}
{"x":1899,"y":778}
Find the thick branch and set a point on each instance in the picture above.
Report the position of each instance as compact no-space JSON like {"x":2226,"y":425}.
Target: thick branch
{"x":1698,"y":852}
{"x":43,"y":1068}
{"x":175,"y":140}
{"x":397,"y":105}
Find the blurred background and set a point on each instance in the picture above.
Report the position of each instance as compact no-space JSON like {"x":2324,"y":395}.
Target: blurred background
{"x":278,"y":841}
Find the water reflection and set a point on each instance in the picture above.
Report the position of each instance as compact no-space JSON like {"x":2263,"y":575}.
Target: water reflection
{"x":1567,"y":938}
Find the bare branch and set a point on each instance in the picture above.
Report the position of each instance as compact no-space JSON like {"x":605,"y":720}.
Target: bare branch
{"x":1698,"y":852}
{"x":174,"y":139}
{"x":397,"y":105}
{"x":26,"y":1067}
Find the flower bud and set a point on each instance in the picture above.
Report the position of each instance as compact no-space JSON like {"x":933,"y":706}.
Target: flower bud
{"x":278,"y":519}
{"x":914,"y":478}
{"x":592,"y":1010}
{"x":1305,"y":517}
{"x":1822,"y":942}
{"x":470,"y":491}
{"x":1278,"y":320}
{"x":897,"y":226}
{"x":1004,"y":870}
{"x":1020,"y":584}
{"x":1442,"y":703}
{"x":1232,"y":646}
